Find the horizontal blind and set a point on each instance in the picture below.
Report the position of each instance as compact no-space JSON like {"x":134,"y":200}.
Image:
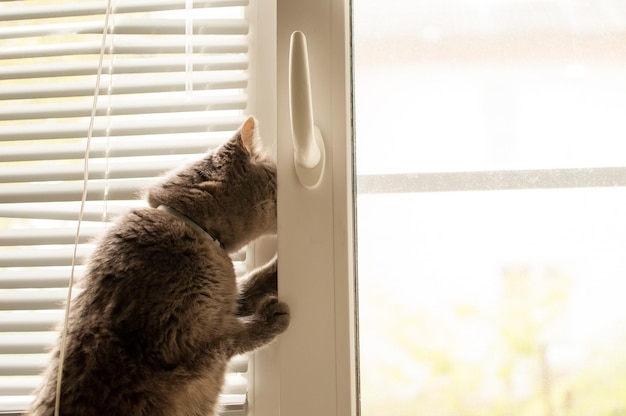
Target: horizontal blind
{"x":173,"y":84}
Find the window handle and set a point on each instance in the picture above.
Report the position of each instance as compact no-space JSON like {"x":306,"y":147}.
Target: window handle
{"x":308,"y":143}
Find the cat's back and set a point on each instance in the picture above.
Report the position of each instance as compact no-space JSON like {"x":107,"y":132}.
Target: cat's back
{"x":155,"y":292}
{"x":150,"y":235}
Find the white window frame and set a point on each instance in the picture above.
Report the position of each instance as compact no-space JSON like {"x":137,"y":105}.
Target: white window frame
{"x":311,"y":369}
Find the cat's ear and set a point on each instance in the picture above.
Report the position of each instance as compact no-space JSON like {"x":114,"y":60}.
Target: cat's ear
{"x":248,"y":137}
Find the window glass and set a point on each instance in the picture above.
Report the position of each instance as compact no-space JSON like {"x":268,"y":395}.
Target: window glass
{"x":471,"y":85}
{"x":488,"y":303}
{"x":496,"y":301}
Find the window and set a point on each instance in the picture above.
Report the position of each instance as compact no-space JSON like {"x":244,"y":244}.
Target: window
{"x":174,"y":82}
{"x":311,"y":369}
{"x":491,"y":179}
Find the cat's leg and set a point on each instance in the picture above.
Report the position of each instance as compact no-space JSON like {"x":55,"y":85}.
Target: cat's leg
{"x":270,"y":319}
{"x":256,"y":286}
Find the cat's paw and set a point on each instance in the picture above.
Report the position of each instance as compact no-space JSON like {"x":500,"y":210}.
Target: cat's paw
{"x":268,"y":279}
{"x":260,"y":283}
{"x":274,"y":313}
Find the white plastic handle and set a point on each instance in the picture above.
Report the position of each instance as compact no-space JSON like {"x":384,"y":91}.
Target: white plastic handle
{"x":308,"y":143}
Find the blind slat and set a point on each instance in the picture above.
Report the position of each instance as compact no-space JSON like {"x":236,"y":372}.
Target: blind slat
{"x":22,"y":365}
{"x":129,"y":66}
{"x":126,"y":148}
{"x":52,"y":212}
{"x":29,"y":299}
{"x":233,"y":405}
{"x":235,"y":384}
{"x":123,"y":106}
{"x":41,"y":257}
{"x":28,"y":321}
{"x":46,"y":236}
{"x":75,"y":9}
{"x":18,"y":386}
{"x":72,"y":191}
{"x":102,"y":127}
{"x":150,"y":26}
{"x":44,"y":257}
{"x":114,"y":169}
{"x":10,"y":386}
{"x":36,"y":344}
{"x":121,"y":128}
{"x":58,"y":277}
{"x":174,"y":45}
{"x":26,"y":343}
{"x":154,"y":84}
{"x":238,"y":364}
{"x":229,"y":404}
{"x":34,"y":364}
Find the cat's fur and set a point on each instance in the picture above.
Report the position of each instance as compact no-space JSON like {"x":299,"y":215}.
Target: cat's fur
{"x":161,"y":314}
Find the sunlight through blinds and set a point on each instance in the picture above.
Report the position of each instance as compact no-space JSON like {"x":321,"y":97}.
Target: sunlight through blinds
{"x":173,"y":85}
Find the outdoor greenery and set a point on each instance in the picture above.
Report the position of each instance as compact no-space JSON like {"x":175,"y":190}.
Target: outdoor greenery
{"x":514,"y":359}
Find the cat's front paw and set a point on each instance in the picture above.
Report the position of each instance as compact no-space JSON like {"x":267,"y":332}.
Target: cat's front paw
{"x":274,"y":313}
{"x":260,"y":283}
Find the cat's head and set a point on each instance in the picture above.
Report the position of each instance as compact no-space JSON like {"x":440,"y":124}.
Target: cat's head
{"x":231,"y":191}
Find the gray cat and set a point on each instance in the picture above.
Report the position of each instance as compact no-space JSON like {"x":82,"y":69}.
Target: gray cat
{"x":161,"y":314}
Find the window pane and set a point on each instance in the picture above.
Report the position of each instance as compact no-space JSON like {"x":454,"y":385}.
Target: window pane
{"x":490,"y":302}
{"x":471,"y":85}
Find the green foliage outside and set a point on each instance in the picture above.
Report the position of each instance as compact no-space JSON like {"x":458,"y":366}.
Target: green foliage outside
{"x":511,"y":359}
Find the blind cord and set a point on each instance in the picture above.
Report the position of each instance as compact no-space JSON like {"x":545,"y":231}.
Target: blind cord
{"x":189,"y":48}
{"x":62,"y":347}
